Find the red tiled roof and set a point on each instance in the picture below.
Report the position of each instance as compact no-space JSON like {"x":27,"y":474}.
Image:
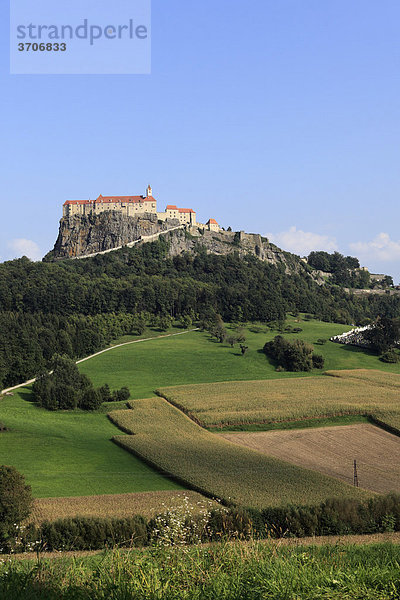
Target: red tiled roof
{"x":77,"y":202}
{"x":171,"y":207}
{"x":212,"y":222}
{"x":185,"y":210}
{"x":113,"y":199}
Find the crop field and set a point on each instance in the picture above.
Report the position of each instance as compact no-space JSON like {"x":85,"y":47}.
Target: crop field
{"x":331,"y":450}
{"x":147,"y":504}
{"x":167,"y":438}
{"x":70,"y":453}
{"x":196,"y":358}
{"x":344,"y":392}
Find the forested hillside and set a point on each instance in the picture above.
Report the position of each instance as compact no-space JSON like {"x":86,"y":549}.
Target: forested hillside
{"x":77,"y":307}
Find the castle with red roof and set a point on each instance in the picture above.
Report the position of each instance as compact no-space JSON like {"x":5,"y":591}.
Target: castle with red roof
{"x":132,"y":206}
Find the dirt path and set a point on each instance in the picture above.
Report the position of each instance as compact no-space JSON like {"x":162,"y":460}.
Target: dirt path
{"x":332,"y":450}
{"x":20,"y":385}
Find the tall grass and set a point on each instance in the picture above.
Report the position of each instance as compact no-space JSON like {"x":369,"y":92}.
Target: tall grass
{"x":227,"y":571}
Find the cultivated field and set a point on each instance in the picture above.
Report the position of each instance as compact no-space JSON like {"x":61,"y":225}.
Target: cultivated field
{"x":70,"y":454}
{"x":332,"y":450}
{"x":146,"y":504}
{"x":344,"y":392}
{"x":165,"y":437}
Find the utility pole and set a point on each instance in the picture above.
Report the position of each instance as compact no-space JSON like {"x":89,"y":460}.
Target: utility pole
{"x":355,"y":477}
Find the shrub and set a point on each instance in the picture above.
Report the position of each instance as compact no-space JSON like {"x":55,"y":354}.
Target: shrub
{"x":318,"y":361}
{"x":105,"y":393}
{"x":90,"y":400}
{"x":121,"y":395}
{"x":89,"y":533}
{"x":15,"y":501}
{"x":390,"y":356}
{"x":293,"y":355}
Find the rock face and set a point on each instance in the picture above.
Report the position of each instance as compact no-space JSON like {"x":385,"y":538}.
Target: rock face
{"x":81,"y":235}
{"x":229,"y":242}
{"x":85,"y":235}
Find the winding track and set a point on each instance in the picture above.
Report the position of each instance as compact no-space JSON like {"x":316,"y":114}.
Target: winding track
{"x":15,"y":387}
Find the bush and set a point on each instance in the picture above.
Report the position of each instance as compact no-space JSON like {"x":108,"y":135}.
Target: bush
{"x":15,"y":501}
{"x":88,"y":533}
{"x":121,"y":395}
{"x":390,"y":356}
{"x":293,"y":355}
{"x":90,"y":400}
{"x":337,"y":516}
{"x":318,"y":361}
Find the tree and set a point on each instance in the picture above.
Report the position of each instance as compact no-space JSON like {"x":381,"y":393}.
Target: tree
{"x":121,"y":395}
{"x":90,"y":400}
{"x":185,"y":321}
{"x":318,"y":361}
{"x":240,"y":335}
{"x":243,"y":349}
{"x":15,"y":500}
{"x":294,"y":355}
{"x":65,"y":388}
{"x":105,"y":393}
{"x":385,"y":334}
{"x":164,"y":322}
{"x":232,"y":339}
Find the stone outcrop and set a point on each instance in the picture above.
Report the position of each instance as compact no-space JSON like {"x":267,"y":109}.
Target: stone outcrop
{"x":80,"y":235}
{"x":229,"y":242}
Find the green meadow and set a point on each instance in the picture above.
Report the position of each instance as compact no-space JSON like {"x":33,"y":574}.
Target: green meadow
{"x":70,"y":454}
{"x":197,"y":358}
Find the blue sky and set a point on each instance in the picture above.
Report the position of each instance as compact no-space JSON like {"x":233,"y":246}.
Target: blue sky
{"x":278,"y":117}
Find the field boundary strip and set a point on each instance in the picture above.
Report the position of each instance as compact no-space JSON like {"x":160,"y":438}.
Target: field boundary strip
{"x":81,"y":360}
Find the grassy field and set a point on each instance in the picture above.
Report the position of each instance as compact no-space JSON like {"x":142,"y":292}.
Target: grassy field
{"x":295,"y":399}
{"x":167,"y":438}
{"x":70,"y":453}
{"x":196,"y":358}
{"x":227,"y":571}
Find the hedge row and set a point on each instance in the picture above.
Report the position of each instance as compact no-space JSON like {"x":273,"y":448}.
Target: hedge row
{"x":332,"y":517}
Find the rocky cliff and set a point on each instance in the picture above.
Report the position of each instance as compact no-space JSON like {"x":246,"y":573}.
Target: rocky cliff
{"x":80,"y":236}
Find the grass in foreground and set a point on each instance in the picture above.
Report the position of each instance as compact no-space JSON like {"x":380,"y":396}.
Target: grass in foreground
{"x":227,"y":571}
{"x":70,"y":453}
{"x":168,"y":439}
{"x":359,"y":392}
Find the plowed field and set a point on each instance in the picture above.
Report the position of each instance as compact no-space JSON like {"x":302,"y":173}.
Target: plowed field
{"x":332,"y":451}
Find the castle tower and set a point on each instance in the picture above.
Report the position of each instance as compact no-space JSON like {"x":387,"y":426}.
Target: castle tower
{"x":149,"y":191}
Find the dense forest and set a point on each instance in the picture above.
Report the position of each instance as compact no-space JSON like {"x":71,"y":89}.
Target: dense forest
{"x":77,"y":307}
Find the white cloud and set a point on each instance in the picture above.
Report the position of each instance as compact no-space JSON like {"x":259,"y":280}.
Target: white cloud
{"x":23,"y":247}
{"x":380,"y":248}
{"x":302,"y":242}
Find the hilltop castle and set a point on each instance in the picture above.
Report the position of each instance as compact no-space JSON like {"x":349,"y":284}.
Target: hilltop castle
{"x":132,"y":206}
